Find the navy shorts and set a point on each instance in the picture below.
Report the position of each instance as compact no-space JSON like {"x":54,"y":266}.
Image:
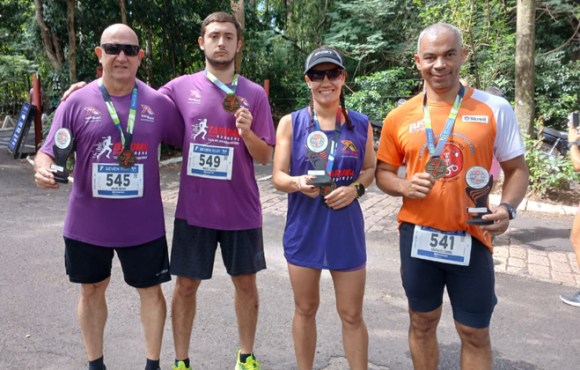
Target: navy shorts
{"x":471,"y":288}
{"x":143,"y":265}
{"x":194,"y":248}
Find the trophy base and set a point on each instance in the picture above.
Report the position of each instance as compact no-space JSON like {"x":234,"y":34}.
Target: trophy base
{"x":321,"y":181}
{"x":62,"y":180}
{"x":479,"y":221}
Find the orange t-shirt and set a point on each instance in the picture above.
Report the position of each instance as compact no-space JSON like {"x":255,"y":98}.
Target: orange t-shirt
{"x":472,"y":142}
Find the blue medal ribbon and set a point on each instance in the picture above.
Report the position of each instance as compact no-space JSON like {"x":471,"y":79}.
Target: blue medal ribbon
{"x":222,"y":86}
{"x":126,"y":137}
{"x":334,"y":143}
{"x":435,"y":151}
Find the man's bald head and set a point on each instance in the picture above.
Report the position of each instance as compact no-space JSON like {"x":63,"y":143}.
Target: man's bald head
{"x":438,"y":28}
{"x":119,"y":33}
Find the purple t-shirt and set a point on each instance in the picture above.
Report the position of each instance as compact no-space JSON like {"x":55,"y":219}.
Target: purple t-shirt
{"x":212,"y":193}
{"x":103,"y":210}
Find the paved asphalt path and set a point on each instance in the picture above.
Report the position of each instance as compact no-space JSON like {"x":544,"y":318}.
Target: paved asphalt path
{"x":531,"y":328}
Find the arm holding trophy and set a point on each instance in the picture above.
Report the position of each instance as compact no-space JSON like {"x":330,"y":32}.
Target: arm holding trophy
{"x":52,"y":170}
{"x":516,"y":177}
{"x":43,"y":176}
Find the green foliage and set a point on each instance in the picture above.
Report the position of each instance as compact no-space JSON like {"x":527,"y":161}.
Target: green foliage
{"x":377,"y":93}
{"x":17,"y":52}
{"x":374,"y":34}
{"x":548,"y":173}
{"x":557,"y":90}
{"x":377,"y":37}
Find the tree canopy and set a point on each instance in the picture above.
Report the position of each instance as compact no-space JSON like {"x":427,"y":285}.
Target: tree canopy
{"x":377,"y":38}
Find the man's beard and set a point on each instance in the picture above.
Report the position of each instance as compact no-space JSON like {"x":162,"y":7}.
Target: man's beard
{"x":220,"y":64}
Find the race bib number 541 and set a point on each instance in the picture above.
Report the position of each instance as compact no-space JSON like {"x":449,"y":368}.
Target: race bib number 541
{"x":452,"y":247}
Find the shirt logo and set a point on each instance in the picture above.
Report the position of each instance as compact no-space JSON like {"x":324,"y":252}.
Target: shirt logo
{"x":475,"y":119}
{"x":417,"y":126}
{"x":348,"y":146}
{"x":92,"y":114}
{"x":194,"y":97}
{"x":147,"y":114}
{"x":453,"y":158}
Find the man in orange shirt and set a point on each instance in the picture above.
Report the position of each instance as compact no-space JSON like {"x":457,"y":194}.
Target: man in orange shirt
{"x":447,"y":136}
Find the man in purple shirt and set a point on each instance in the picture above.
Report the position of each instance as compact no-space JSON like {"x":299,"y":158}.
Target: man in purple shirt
{"x":228,"y":126}
{"x":117,"y":124}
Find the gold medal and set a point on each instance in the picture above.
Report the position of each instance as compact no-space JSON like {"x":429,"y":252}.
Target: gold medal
{"x":231,"y":103}
{"x":436,"y":167}
{"x":126,"y":158}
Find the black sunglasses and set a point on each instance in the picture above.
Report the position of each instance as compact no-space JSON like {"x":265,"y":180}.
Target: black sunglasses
{"x":116,"y":49}
{"x":332,"y":74}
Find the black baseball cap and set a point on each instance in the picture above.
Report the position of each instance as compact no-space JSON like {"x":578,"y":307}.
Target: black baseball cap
{"x":323,"y":55}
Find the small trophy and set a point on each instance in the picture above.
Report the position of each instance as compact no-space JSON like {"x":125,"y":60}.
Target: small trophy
{"x":62,"y":148}
{"x":479,"y":183}
{"x":317,"y":142}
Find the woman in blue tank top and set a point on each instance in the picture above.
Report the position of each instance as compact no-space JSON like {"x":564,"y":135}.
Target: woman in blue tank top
{"x":324,"y":160}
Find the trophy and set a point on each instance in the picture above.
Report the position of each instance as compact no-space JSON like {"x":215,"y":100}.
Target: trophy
{"x":479,"y":183}
{"x":317,"y":142}
{"x":62,"y":148}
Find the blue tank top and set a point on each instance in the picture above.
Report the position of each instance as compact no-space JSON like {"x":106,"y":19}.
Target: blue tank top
{"x":315,"y":235}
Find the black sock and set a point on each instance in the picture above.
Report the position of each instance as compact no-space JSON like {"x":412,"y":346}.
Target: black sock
{"x":186,"y":362}
{"x":244,"y":357}
{"x":97,"y":364}
{"x":152,"y":365}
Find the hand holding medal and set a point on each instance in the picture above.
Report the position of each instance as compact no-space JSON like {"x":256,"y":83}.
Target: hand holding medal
{"x":436,"y":168}
{"x":244,"y":121}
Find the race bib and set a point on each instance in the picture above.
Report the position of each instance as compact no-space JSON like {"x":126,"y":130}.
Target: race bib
{"x":453,"y":247}
{"x":116,"y":182}
{"x":212,"y":162}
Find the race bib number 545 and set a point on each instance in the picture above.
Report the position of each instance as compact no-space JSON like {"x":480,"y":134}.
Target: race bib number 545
{"x":116,"y":182}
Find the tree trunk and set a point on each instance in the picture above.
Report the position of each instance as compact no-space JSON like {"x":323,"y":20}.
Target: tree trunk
{"x":525,"y":72}
{"x":123,"y":11}
{"x":238,"y":9}
{"x":49,"y":40}
{"x":72,"y":40}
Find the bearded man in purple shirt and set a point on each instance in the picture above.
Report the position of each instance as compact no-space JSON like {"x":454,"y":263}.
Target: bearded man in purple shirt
{"x":228,"y":125}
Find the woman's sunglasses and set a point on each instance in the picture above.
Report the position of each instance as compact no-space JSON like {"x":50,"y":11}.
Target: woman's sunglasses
{"x":332,"y":74}
{"x":116,"y":49}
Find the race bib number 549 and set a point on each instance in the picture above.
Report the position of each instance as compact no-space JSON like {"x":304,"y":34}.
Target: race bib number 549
{"x":212,"y":162}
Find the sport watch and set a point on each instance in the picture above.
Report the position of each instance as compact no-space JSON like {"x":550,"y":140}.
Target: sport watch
{"x":511,"y":210}
{"x":360,"y":189}
{"x":572,"y":143}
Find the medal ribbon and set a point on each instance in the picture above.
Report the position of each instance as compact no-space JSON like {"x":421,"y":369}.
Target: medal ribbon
{"x":126,"y":137}
{"x":222,"y":86}
{"x":436,"y":151}
{"x":334,"y":143}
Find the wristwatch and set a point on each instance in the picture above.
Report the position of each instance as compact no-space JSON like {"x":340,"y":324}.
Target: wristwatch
{"x":572,"y":143}
{"x":360,"y":189}
{"x":511,"y":210}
